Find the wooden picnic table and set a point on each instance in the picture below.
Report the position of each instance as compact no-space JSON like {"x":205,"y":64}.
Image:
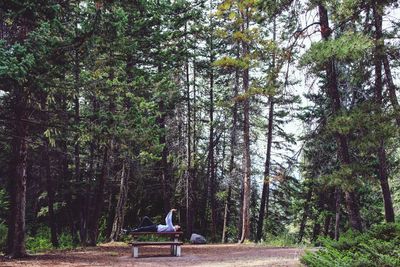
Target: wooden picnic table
{"x":174,"y":242}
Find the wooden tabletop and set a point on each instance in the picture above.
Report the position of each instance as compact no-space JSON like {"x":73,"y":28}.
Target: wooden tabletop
{"x":156,"y":233}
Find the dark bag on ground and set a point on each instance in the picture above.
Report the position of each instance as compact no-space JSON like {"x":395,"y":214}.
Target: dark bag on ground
{"x":197,"y":239}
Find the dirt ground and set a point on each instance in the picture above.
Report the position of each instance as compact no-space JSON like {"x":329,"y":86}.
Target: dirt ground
{"x":119,"y":254}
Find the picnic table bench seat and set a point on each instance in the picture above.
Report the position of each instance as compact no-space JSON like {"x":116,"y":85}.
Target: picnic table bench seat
{"x":174,"y":243}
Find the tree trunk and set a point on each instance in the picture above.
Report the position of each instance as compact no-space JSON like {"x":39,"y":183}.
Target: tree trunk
{"x":316,"y":231}
{"x":342,"y":142}
{"x":77,"y":151}
{"x":46,"y":172}
{"x":211,"y":147}
{"x":120,"y":209}
{"x":391,"y":88}
{"x":165,"y":180}
{"x":112,"y":203}
{"x":50,"y":194}
{"x":382,"y":158}
{"x":189,"y":213}
{"x":232,"y":169}
{"x":93,"y":229}
{"x":338,"y":196}
{"x":265,"y":191}
{"x":17,"y":182}
{"x":226,"y":214}
{"x":305,"y":214}
{"x":246,"y":140}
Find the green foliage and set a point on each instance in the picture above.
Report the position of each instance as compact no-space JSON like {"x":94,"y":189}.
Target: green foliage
{"x":350,"y":46}
{"x":380,"y":246}
{"x":228,"y":62}
{"x":3,"y":236}
{"x":41,"y":241}
{"x":3,"y":205}
{"x":15,"y":62}
{"x":282,"y":240}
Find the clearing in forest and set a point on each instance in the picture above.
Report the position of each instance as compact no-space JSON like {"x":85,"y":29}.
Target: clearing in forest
{"x":119,"y":254}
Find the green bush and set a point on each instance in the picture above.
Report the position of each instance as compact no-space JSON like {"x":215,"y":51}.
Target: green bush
{"x":3,"y":236}
{"x":66,"y":242}
{"x":380,"y":246}
{"x":42,"y":241}
{"x":283,"y":240}
{"x":39,"y":242}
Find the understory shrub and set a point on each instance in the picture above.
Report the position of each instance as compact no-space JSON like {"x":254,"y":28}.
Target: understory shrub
{"x":283,"y":240}
{"x":379,"y":246}
{"x":42,"y":241}
{"x":3,"y":236}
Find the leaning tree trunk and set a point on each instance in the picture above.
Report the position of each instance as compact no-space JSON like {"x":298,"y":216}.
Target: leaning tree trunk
{"x":17,"y":183}
{"x":382,"y":158}
{"x":123,"y":196}
{"x":341,"y":139}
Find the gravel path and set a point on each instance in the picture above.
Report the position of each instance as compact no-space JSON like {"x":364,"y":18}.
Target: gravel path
{"x":118,"y":254}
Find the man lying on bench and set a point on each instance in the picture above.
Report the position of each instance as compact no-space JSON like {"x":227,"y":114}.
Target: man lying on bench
{"x":146,"y":225}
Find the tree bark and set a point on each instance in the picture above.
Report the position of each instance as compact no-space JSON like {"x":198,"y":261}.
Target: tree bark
{"x":211,"y":146}
{"x":93,"y":229}
{"x":338,"y":196}
{"x":342,"y":142}
{"x":246,"y":140}
{"x":50,"y":194}
{"x":305,"y":214}
{"x":264,"y":205}
{"x":165,"y":179}
{"x":17,"y":183}
{"x":382,"y":158}
{"x":77,"y":160}
{"x":189,"y":171}
{"x":391,"y":88}
{"x":232,"y":169}
{"x":46,"y":172}
{"x":120,"y":209}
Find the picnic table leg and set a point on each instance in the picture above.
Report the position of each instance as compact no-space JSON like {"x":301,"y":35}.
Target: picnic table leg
{"x":176,"y":239}
{"x":135,"y":251}
{"x":173,"y":247}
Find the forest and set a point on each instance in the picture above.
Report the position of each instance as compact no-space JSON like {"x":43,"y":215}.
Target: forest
{"x":266,"y":121}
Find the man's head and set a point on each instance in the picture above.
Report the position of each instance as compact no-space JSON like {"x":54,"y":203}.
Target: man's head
{"x":177,"y":227}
